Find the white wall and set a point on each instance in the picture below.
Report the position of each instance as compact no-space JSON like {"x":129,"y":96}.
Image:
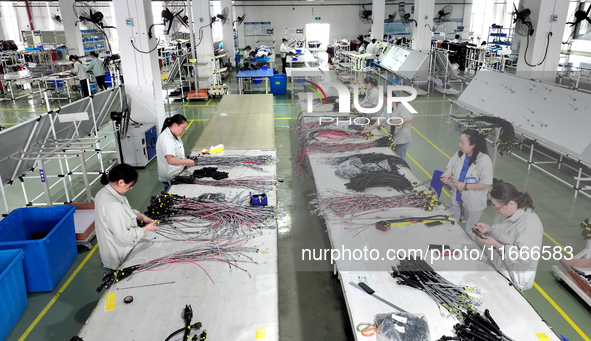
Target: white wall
{"x":344,"y":20}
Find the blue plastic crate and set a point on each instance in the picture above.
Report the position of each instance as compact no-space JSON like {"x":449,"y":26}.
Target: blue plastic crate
{"x":48,"y":237}
{"x":13,"y":296}
{"x":278,"y":84}
{"x":256,"y":80}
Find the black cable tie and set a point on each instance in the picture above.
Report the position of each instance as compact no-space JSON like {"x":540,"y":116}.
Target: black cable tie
{"x":70,"y":173}
{"x":21,"y":178}
{"x":29,"y":204}
{"x":4,"y":215}
{"x":97,"y":150}
{"x":9,"y":183}
{"x":38,"y":118}
{"x":61,"y":175}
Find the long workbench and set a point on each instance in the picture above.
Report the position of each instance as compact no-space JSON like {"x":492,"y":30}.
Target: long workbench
{"x":515,"y":316}
{"x":232,"y":303}
{"x":240,"y":122}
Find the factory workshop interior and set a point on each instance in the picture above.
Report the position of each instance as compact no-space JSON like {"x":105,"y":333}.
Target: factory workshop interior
{"x":295,"y":170}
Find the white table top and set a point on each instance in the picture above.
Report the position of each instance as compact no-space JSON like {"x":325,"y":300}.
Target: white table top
{"x":232,"y":305}
{"x":521,"y":322}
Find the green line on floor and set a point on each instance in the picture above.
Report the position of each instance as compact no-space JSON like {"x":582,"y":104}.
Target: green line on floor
{"x":56,"y":296}
{"x":568,"y":319}
{"x":283,"y":118}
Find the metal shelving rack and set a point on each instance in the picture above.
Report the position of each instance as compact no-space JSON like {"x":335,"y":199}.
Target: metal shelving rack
{"x":95,"y":41}
{"x":500,"y":35}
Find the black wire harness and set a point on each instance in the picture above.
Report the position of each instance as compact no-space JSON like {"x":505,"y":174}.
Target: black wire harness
{"x":455,"y":299}
{"x":477,"y":327}
{"x":507,"y":133}
{"x":395,"y":180}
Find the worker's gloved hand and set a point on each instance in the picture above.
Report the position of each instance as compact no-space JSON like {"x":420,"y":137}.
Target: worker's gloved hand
{"x":189,"y":163}
{"x":150,"y":227}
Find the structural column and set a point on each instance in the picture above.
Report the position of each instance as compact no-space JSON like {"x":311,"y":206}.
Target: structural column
{"x":532,"y":64}
{"x":3,"y":30}
{"x":421,"y":35}
{"x":139,"y":64}
{"x":228,"y":31}
{"x":73,"y":34}
{"x":202,"y":20}
{"x":378,"y":14}
{"x":466,"y":21}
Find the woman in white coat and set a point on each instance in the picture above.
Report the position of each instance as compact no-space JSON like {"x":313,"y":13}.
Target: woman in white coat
{"x":117,"y":230}
{"x":470,"y":173}
{"x":515,"y":237}
{"x":170,"y":150}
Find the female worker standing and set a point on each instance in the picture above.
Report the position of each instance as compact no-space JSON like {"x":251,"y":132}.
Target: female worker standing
{"x":80,"y":72}
{"x":117,"y":230}
{"x":170,"y":150}
{"x":517,"y":230}
{"x":98,"y":70}
{"x":470,"y":173}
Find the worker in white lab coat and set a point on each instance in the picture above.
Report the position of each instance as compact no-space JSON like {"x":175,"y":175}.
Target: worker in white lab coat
{"x":117,"y":230}
{"x":515,"y":237}
{"x":284,"y":49}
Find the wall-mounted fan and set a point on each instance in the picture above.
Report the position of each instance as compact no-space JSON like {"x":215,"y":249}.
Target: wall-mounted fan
{"x":522,"y":21}
{"x":405,"y":17}
{"x":240,"y":20}
{"x":89,"y":15}
{"x":365,"y":16}
{"x":391,"y":17}
{"x":223,"y":17}
{"x":525,"y":28}
{"x":173,"y":17}
{"x":57,"y":19}
{"x":580,"y":17}
{"x":442,"y":16}
{"x":92,"y":18}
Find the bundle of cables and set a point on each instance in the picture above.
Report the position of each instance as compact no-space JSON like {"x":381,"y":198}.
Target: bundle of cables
{"x":234,"y":161}
{"x":328,"y":134}
{"x":252,"y":182}
{"x":395,"y":180}
{"x":354,"y":205}
{"x":456,"y":299}
{"x":506,"y":136}
{"x":395,"y":161}
{"x":477,"y":327}
{"x":586,"y":226}
{"x":209,"y":172}
{"x":221,"y":217}
{"x":231,"y":252}
{"x":323,"y":147}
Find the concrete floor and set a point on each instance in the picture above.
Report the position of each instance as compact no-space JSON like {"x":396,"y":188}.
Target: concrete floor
{"x":311,"y":303}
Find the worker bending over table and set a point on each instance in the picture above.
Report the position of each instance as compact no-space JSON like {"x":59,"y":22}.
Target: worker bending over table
{"x":170,"y":150}
{"x":516,"y":230}
{"x":117,"y":230}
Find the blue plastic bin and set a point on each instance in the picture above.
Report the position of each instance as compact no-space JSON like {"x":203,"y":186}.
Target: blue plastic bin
{"x":48,"y":237}
{"x":257,"y":80}
{"x":279,"y":84}
{"x":13,"y":296}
